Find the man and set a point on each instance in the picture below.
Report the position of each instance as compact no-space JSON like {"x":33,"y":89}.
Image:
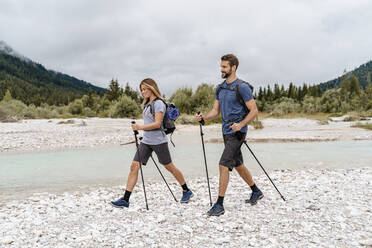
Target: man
{"x":234,"y":129}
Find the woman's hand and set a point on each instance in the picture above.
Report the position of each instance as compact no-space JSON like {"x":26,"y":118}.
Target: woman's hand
{"x":136,"y":127}
{"x":236,"y":127}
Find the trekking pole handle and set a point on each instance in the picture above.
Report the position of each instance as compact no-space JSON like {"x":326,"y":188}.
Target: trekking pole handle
{"x":202,"y":120}
{"x":135,"y":131}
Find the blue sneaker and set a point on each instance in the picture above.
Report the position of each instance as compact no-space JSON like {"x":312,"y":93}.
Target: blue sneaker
{"x":216,"y":210}
{"x":255,"y":196}
{"x":121,"y":203}
{"x":186,"y":196}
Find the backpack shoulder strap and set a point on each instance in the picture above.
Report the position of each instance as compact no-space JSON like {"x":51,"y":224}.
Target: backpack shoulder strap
{"x":221,"y":86}
{"x":239,"y":96}
{"x":152,"y":105}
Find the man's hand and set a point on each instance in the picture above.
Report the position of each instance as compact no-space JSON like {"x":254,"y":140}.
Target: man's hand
{"x":236,"y":127}
{"x":199,"y":117}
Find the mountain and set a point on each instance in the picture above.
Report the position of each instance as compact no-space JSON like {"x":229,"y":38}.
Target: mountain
{"x":361,"y":73}
{"x":31,"y":82}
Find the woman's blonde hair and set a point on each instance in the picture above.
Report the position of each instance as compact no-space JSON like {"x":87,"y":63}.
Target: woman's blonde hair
{"x":150,"y":84}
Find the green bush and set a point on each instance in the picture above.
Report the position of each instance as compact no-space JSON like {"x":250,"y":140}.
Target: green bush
{"x":12,"y":109}
{"x":285,"y":106}
{"x":311,"y":105}
{"x":331,"y":101}
{"x":203,"y":98}
{"x":182,"y":99}
{"x":88,"y":112}
{"x":125,"y":107}
{"x":76,"y":107}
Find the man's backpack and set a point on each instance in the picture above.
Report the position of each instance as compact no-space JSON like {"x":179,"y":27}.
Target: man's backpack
{"x":170,"y":116}
{"x":237,"y":93}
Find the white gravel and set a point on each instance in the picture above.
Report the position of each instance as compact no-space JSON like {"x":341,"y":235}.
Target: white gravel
{"x":324,"y":208}
{"x":43,"y":135}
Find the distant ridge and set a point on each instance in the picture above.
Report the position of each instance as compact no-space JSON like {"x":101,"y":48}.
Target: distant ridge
{"x":361,"y":73}
{"x":31,"y":82}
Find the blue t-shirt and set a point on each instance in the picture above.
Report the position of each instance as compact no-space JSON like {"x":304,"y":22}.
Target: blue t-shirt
{"x":230,"y":106}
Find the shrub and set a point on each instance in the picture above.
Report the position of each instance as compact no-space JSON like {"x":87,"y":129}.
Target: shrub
{"x":285,"y":106}
{"x":203,"y":98}
{"x":76,"y":107}
{"x":12,"y":110}
{"x":125,"y":107}
{"x":311,"y":105}
{"x":182,"y":99}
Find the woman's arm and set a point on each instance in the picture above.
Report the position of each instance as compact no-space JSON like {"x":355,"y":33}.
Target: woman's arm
{"x":151,"y":126}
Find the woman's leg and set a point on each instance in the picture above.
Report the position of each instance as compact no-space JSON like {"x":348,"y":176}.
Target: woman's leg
{"x":133,"y":176}
{"x":176,"y":173}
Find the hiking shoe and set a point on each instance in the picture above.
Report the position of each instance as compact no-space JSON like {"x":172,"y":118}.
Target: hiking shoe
{"x":216,"y":210}
{"x":255,"y":196}
{"x":121,"y":203}
{"x":186,"y":196}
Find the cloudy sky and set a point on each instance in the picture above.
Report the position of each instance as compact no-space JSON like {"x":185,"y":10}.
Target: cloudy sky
{"x":180,"y":42}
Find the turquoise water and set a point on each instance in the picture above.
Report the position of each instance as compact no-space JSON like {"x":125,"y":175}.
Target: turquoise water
{"x":65,"y":170}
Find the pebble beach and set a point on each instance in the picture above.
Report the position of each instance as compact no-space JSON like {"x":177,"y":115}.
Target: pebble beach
{"x":323,"y":207}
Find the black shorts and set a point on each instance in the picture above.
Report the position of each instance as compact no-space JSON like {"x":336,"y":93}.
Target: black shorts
{"x":145,"y":151}
{"x":232,"y":155}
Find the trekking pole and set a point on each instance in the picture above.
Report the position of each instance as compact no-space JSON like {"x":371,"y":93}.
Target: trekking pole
{"x":139,"y":158}
{"x":127,"y":143}
{"x":163,"y":178}
{"x":245,"y":142}
{"x":201,"y":123}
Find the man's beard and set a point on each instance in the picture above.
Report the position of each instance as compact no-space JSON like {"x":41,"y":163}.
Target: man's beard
{"x":226,"y":74}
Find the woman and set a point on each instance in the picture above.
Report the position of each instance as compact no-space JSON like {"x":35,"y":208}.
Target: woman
{"x":154,"y":139}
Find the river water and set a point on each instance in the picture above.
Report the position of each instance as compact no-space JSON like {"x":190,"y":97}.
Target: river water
{"x":25,"y":173}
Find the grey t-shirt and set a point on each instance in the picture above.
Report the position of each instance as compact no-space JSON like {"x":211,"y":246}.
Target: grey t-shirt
{"x":154,"y":137}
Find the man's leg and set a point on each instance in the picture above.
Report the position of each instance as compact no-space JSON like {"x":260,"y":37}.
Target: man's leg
{"x":218,"y":208}
{"x":224,"y":180}
{"x":245,"y":174}
{"x":247,"y":177}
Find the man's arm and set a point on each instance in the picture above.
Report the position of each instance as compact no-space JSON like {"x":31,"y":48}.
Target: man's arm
{"x":253,"y":112}
{"x":212,"y":114}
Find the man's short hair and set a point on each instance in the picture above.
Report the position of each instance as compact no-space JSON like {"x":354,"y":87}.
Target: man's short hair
{"x":232,"y":59}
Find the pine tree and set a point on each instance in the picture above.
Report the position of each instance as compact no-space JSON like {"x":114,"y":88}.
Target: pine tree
{"x":291,"y":91}
{"x":277,"y":93}
{"x":269,"y":93}
{"x":354,"y":86}
{"x":114,"y":91}
{"x":260,"y":94}
{"x":282,"y":91}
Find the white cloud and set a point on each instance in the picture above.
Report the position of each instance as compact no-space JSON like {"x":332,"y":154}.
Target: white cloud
{"x":180,"y":43}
